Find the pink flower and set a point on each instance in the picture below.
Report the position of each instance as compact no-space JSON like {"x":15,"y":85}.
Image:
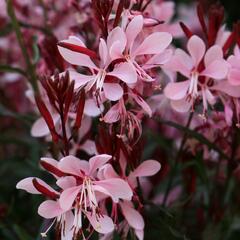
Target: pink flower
{"x":122,"y":71}
{"x":124,"y":44}
{"x":145,"y":169}
{"x":204,"y":70}
{"x":51,"y":208}
{"x":80,"y":192}
{"x":83,"y":196}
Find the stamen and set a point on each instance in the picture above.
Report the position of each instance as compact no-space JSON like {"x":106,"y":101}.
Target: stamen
{"x":44,"y":234}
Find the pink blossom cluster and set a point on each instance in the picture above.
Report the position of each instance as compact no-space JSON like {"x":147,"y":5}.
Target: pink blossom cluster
{"x":118,"y":72}
{"x":84,"y":190}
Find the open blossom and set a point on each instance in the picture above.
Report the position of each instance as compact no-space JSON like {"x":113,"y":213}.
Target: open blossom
{"x":51,"y":209}
{"x":81,"y":191}
{"x":98,"y":80}
{"x":126,"y":45}
{"x":84,"y":194}
{"x":131,"y":215}
{"x":205,"y":72}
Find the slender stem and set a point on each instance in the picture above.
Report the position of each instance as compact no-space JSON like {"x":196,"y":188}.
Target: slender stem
{"x":30,"y":67}
{"x":175,"y":163}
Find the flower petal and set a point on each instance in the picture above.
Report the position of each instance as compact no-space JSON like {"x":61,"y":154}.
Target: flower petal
{"x":112,"y":91}
{"x":234,"y":76}
{"x":124,"y":72}
{"x":216,"y":70}
{"x":147,"y":168}
{"x":102,"y":224}
{"x":91,"y":109}
{"x":181,"y":62}
{"x":98,"y":161}
{"x":103,"y":51}
{"x":159,"y":59}
{"x":139,"y":234}
{"x":76,"y":58}
{"x":113,"y":114}
{"x":118,"y":188}
{"x":133,"y":29}
{"x":154,"y":44}
{"x":133,"y":217}
{"x":80,"y":79}
{"x":68,"y":197}
{"x":143,"y":105}
{"x":225,"y":87}
{"x":50,"y":209}
{"x":66,"y":182}
{"x":214,"y":53}
{"x":116,"y":43}
{"x":40,"y":128}
{"x":73,"y":165}
{"x":176,"y":90}
{"x":27,"y":185}
{"x":196,"y":48}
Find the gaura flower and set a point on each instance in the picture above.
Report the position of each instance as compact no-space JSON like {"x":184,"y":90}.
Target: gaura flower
{"x":83,"y":196}
{"x":132,"y":216}
{"x":124,"y":45}
{"x":98,"y":79}
{"x":205,"y":71}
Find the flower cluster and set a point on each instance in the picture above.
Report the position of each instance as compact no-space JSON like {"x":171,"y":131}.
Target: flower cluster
{"x":101,"y":73}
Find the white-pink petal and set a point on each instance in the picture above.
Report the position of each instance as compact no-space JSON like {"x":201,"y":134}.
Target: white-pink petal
{"x":68,"y":197}
{"x":176,"y":90}
{"x":113,"y":114}
{"x":214,"y":53}
{"x":181,"y":62}
{"x":27,"y":185}
{"x":118,"y":188}
{"x":147,"y":168}
{"x":159,"y":59}
{"x":217,"y":70}
{"x":133,"y":29}
{"x":124,"y":72}
{"x":73,"y":165}
{"x":40,"y":128}
{"x":234,"y":76}
{"x":91,"y":109}
{"x":116,"y":43}
{"x":154,"y":44}
{"x":76,"y":58}
{"x":66,"y":182}
{"x":196,"y":48}
{"x":98,"y":161}
{"x":133,"y":217}
{"x":80,"y":79}
{"x":112,"y":91}
{"x":103,"y":51}
{"x":50,"y":209}
{"x":102,"y":224}
{"x":139,"y":234}
{"x":225,"y":87}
